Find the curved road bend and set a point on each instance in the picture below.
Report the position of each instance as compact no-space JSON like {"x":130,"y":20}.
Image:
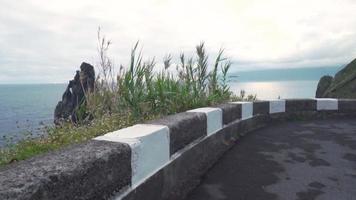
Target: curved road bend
{"x":289,"y":161}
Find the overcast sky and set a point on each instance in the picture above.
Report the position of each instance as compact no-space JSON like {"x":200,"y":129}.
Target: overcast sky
{"x":46,"y":40}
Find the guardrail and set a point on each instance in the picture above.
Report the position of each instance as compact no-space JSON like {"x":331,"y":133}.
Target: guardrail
{"x":161,"y":159}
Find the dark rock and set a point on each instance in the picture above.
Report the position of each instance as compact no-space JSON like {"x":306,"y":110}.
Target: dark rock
{"x":323,"y":85}
{"x":74,"y":95}
{"x":87,"y":76}
{"x":343,"y":85}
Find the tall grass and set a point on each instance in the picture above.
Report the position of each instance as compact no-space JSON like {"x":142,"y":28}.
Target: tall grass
{"x":133,"y":94}
{"x":142,"y":91}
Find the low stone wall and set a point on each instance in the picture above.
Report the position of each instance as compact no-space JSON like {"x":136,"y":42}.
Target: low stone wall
{"x":162,"y":159}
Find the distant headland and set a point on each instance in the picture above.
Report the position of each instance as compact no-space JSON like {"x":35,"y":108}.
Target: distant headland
{"x":342,"y":85}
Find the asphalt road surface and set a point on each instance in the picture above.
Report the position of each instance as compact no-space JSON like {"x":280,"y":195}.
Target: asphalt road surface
{"x":288,"y":161}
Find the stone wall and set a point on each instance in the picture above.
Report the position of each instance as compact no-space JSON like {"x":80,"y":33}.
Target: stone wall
{"x":162,"y":159}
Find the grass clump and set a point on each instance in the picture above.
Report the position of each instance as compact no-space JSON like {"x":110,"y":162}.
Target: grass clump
{"x":132,"y":95}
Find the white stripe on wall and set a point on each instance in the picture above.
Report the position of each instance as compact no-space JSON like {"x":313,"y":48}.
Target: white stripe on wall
{"x":149,"y":148}
{"x":214,"y":118}
{"x":277,"y":106}
{"x":246,"y":109}
{"x":326,"y":104}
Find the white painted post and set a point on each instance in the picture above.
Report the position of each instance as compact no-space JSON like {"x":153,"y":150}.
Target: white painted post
{"x":149,"y":148}
{"x":246,"y":109}
{"x":277,"y":106}
{"x":327,"y":104}
{"x":214,"y":118}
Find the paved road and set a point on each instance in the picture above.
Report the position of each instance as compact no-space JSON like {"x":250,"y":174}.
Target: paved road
{"x":295,"y":160}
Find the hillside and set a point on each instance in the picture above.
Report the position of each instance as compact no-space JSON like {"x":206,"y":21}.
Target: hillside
{"x":342,"y":85}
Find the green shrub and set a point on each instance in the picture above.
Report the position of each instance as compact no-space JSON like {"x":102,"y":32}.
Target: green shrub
{"x":135,"y":94}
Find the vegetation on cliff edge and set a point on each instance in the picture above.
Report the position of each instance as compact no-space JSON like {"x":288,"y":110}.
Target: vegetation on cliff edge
{"x":133,"y":95}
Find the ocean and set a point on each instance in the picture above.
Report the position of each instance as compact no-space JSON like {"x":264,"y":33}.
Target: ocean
{"x":31,"y":106}
{"x":26,"y":107}
{"x":277,"y":89}
{"x":280,"y":83}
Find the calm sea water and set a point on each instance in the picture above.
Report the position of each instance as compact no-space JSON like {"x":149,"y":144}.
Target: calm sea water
{"x":28,"y":107}
{"x":283,"y":83}
{"x":276,"y":89}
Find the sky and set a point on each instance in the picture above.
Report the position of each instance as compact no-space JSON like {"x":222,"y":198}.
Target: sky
{"x":44,"y":41}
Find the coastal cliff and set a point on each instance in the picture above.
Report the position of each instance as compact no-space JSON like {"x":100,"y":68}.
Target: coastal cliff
{"x":342,"y":85}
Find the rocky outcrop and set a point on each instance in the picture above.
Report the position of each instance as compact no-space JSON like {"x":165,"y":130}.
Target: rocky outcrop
{"x":323,"y":85}
{"x":343,"y":85}
{"x":74,"y":95}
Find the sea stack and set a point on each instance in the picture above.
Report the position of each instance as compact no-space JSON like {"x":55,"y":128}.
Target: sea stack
{"x":74,"y":95}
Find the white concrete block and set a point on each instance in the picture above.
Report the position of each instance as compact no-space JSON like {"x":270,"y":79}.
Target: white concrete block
{"x":246,"y":109}
{"x":277,"y":105}
{"x":326,"y":104}
{"x":149,"y":148}
{"x":214,"y":118}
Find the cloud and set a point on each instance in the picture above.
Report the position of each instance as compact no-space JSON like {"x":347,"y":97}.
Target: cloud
{"x":45,"y":41}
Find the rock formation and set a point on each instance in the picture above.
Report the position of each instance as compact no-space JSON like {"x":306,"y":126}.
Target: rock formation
{"x":343,"y":85}
{"x":74,"y":95}
{"x":323,"y":85}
